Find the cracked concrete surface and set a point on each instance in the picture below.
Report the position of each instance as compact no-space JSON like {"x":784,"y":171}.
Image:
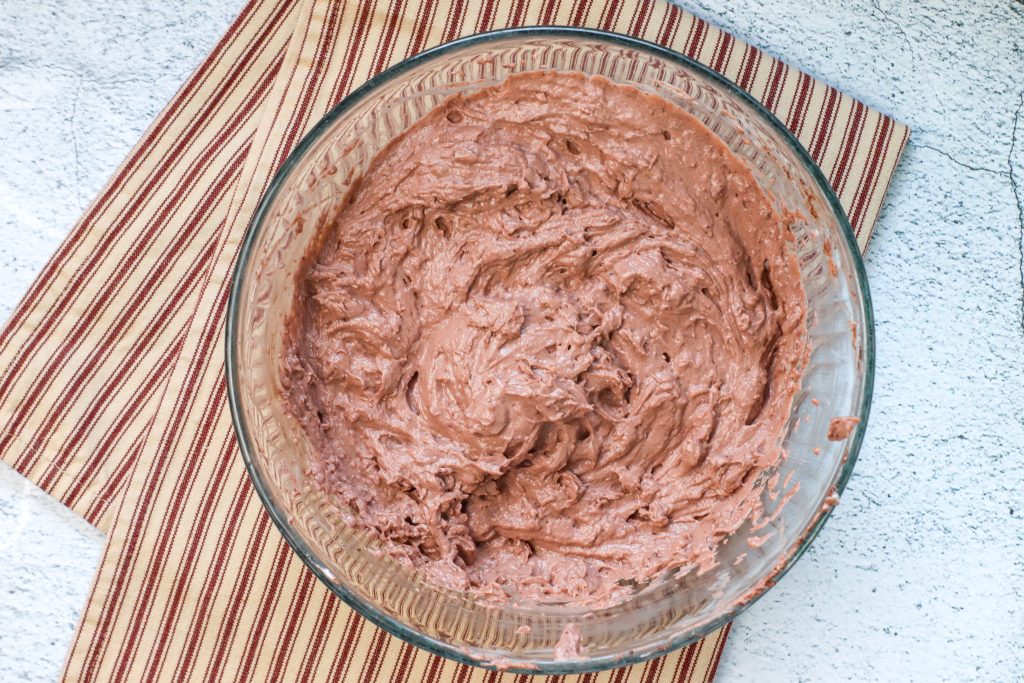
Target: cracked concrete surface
{"x":919,"y":576}
{"x":887,"y":17}
{"x":961,"y":164}
{"x":1013,"y":163}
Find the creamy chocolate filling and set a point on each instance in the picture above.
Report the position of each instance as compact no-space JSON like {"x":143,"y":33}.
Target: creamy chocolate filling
{"x":549,"y":344}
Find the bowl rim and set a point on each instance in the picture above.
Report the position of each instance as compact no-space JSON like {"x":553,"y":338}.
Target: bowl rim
{"x":305,"y":553}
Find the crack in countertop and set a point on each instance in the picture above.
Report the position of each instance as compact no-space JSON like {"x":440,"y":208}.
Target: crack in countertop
{"x":969,"y":167}
{"x":876,"y":4}
{"x":74,"y":140}
{"x":1020,"y":205}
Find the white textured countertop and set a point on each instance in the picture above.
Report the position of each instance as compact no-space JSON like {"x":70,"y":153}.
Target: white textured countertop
{"x":919,"y":575}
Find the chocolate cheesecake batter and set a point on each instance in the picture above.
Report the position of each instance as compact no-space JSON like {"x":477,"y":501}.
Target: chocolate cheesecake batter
{"x":550,"y":341}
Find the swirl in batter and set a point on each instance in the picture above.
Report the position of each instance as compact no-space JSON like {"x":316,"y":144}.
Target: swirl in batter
{"x":550,"y":342}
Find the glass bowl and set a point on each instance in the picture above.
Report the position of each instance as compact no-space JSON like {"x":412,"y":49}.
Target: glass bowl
{"x":671,"y":611}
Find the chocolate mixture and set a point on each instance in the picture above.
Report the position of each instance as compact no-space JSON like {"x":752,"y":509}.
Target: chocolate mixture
{"x":550,"y":342}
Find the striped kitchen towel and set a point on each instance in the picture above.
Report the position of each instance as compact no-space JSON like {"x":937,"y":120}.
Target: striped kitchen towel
{"x":112,"y":392}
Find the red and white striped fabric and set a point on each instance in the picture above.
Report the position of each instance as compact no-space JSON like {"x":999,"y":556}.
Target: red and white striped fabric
{"x":112,"y":394}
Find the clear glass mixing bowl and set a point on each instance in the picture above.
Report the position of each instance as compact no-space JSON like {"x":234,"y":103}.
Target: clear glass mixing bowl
{"x":671,"y":611}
